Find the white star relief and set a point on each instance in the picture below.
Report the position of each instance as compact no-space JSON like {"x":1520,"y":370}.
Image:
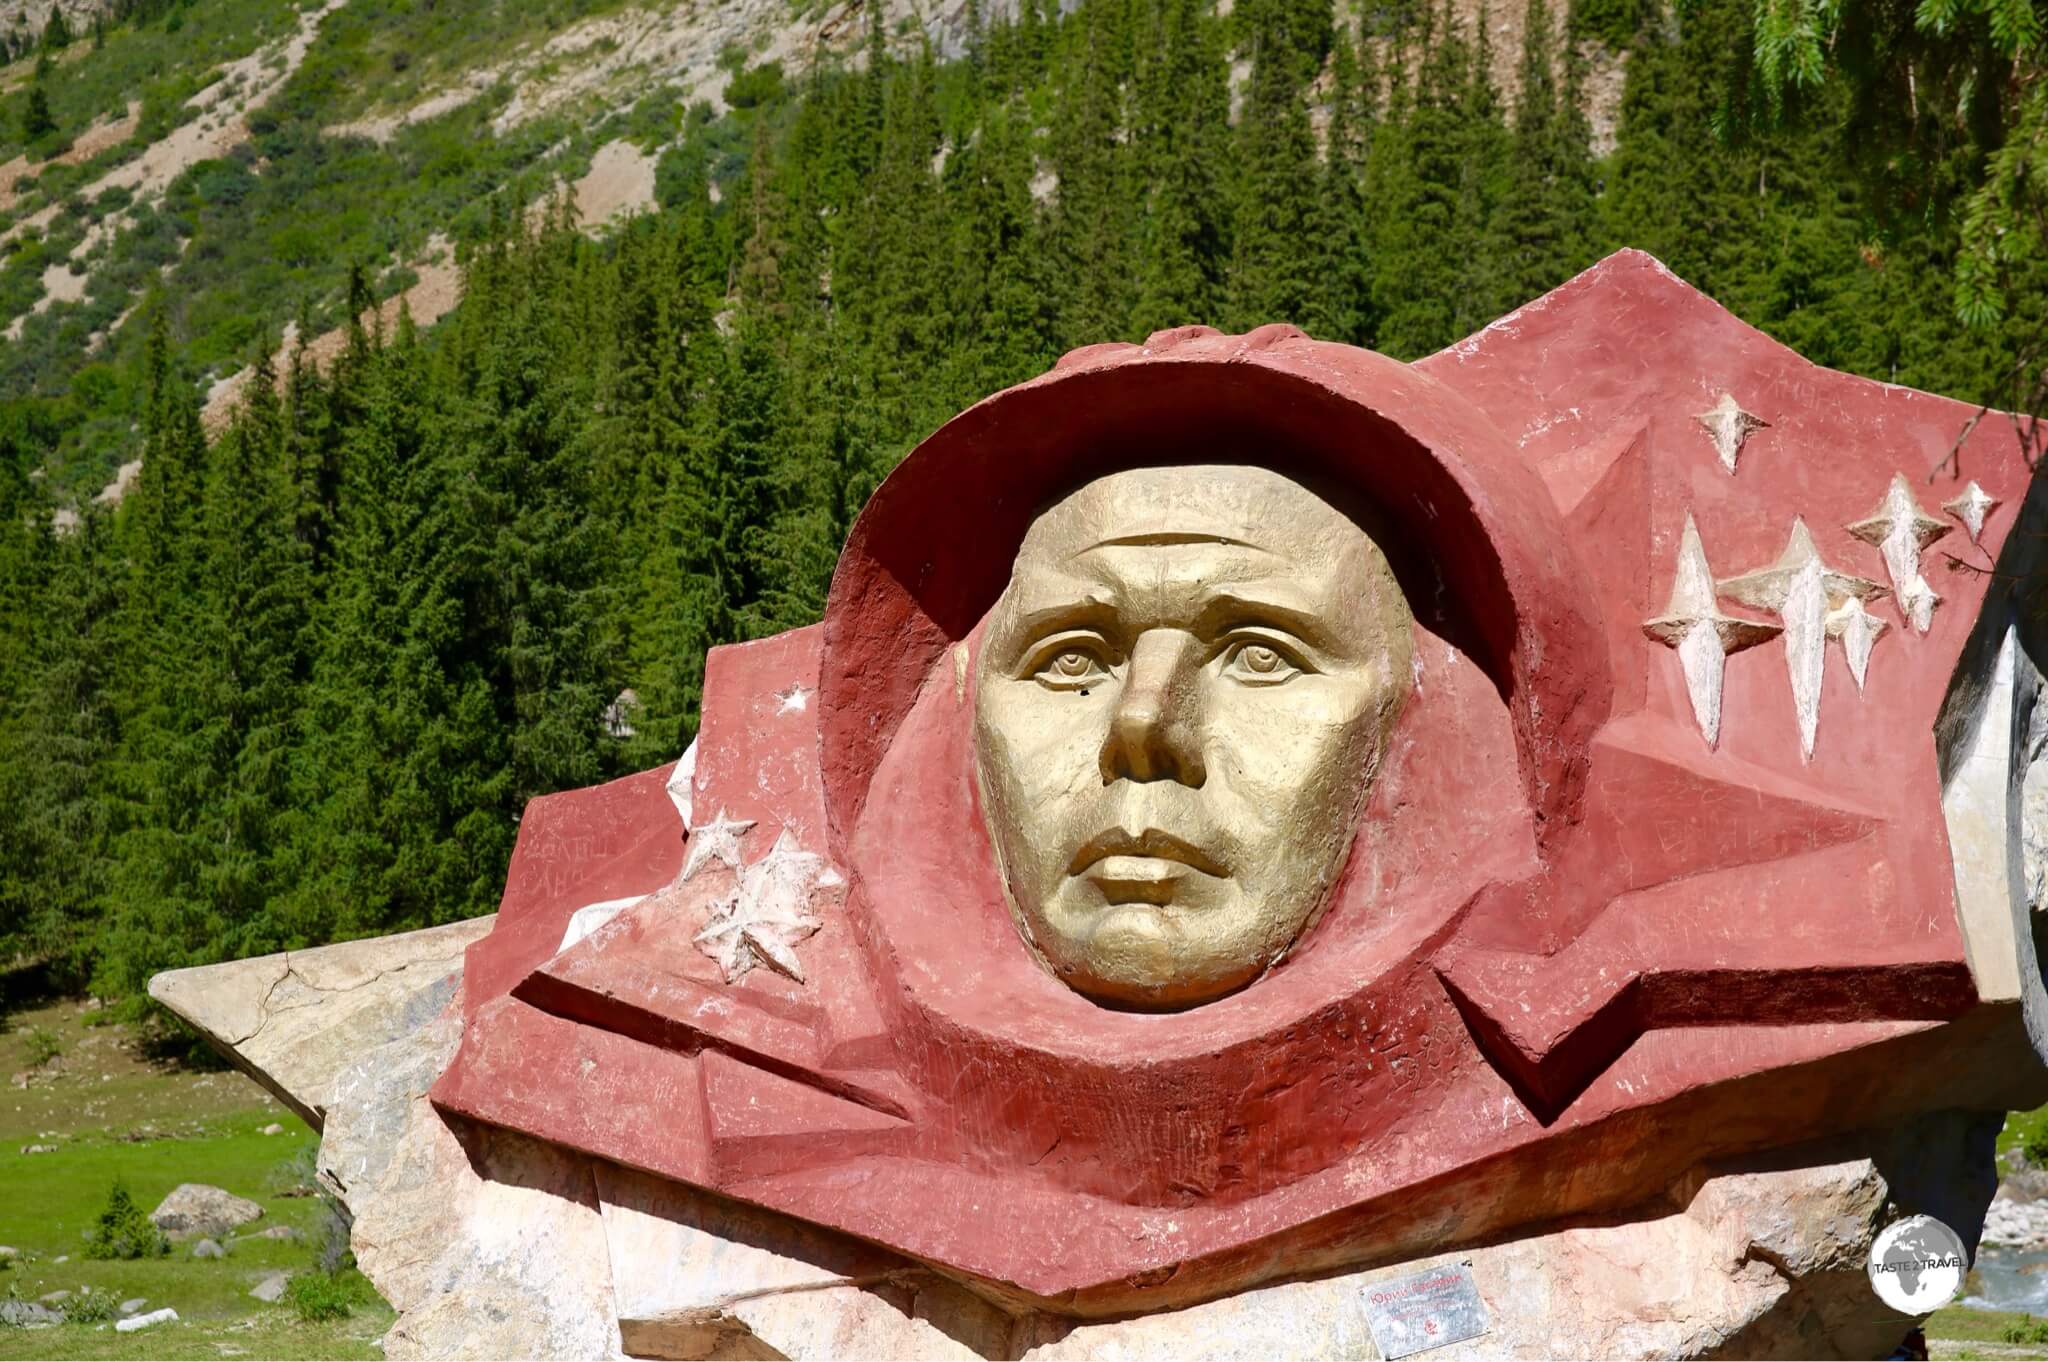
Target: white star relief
{"x":1971,"y":508}
{"x":792,"y":701}
{"x":1804,"y":592}
{"x":1901,"y":529}
{"x":1693,"y":624}
{"x":1730,"y":427}
{"x":1857,"y":629}
{"x":718,"y":840}
{"x":767,"y":913}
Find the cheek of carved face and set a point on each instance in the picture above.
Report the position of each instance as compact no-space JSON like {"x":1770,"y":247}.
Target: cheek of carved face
{"x":1181,"y":699}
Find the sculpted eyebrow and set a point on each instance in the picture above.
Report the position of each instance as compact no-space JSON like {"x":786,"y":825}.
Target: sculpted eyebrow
{"x":1224,"y":609}
{"x":1086,"y":609}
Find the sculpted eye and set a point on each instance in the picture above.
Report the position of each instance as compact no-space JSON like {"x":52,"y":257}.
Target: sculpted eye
{"x":1259,"y":664}
{"x":1071,"y":668}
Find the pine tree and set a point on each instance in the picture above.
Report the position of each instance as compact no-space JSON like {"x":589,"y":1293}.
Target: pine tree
{"x":36,"y":120}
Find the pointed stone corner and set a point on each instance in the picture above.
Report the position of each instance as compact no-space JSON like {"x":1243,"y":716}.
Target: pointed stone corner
{"x":294,"y":1021}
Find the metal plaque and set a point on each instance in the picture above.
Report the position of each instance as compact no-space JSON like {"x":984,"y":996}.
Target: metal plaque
{"x":1424,"y":1310}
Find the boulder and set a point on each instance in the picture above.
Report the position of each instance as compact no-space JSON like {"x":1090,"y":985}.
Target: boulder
{"x":27,"y":1314}
{"x":206,"y":1248}
{"x":193,"y":1208}
{"x":271,"y":1289}
{"x":283,"y":1232}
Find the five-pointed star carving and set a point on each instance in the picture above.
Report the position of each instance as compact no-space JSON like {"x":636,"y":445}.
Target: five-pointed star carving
{"x":1901,"y":529}
{"x":1804,"y":591}
{"x":792,"y":701}
{"x":1971,"y":507}
{"x":1730,"y":427}
{"x":1692,"y":623}
{"x":767,"y":912}
{"x":718,"y":840}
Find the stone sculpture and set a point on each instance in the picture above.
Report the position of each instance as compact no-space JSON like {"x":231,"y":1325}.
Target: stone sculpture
{"x":1255,"y":817}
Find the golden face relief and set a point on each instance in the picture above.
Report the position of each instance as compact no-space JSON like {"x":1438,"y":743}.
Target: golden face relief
{"x":1182,"y":697}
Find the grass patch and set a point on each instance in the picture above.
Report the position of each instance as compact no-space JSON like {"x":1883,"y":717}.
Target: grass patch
{"x":1961,"y":1324}
{"x":113,"y":1115}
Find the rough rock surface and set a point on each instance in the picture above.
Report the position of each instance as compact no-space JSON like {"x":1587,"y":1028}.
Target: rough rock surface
{"x":490,"y":1245}
{"x":193,"y":1208}
{"x":293,"y":1021}
{"x":27,"y":1314}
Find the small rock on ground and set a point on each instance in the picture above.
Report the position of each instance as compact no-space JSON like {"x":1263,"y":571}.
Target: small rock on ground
{"x":27,"y":1314}
{"x":271,"y":1289}
{"x":54,"y":1298}
{"x":129,"y":1307}
{"x":206,"y":1248}
{"x":9,"y":1251}
{"x":273,"y":1129}
{"x":285,"y":1232}
{"x":39,"y":1149}
{"x":134,"y":1322}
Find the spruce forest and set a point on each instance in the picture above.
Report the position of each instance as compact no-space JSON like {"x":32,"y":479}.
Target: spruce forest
{"x":297,"y":686}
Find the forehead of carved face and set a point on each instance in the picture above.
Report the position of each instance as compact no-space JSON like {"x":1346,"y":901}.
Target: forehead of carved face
{"x":1181,"y":699}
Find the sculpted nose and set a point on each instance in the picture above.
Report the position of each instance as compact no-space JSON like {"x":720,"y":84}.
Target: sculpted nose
{"x":1152,"y":735}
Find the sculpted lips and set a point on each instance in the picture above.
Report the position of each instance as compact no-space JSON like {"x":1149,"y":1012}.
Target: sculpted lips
{"x":1154,"y":845}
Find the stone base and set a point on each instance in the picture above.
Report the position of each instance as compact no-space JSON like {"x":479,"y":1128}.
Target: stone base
{"x":490,"y":1244}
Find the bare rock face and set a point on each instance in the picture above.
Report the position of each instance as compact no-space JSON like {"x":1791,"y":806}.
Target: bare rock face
{"x":193,"y":1208}
{"x":293,"y":1021}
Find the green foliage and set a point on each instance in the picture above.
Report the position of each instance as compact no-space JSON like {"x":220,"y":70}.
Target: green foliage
{"x":92,"y":1307}
{"x":315,"y":1296}
{"x":36,"y":120}
{"x":41,"y":1047}
{"x":2029,"y":1330}
{"x":124,"y":1229}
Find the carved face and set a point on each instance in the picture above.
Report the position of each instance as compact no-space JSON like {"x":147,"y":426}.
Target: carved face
{"x":1183,"y":695}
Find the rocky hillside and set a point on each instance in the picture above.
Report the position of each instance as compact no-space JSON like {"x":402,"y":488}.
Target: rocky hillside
{"x":243,"y":156}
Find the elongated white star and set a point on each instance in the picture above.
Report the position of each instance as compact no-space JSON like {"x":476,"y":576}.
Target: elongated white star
{"x":1693,"y":624}
{"x":718,"y":840}
{"x":1900,"y":529}
{"x":1802,"y":591}
{"x":1730,"y":426}
{"x":767,"y":913}
{"x":1972,"y":507}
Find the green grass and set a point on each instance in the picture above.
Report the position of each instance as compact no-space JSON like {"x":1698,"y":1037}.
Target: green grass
{"x":113,"y":1114}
